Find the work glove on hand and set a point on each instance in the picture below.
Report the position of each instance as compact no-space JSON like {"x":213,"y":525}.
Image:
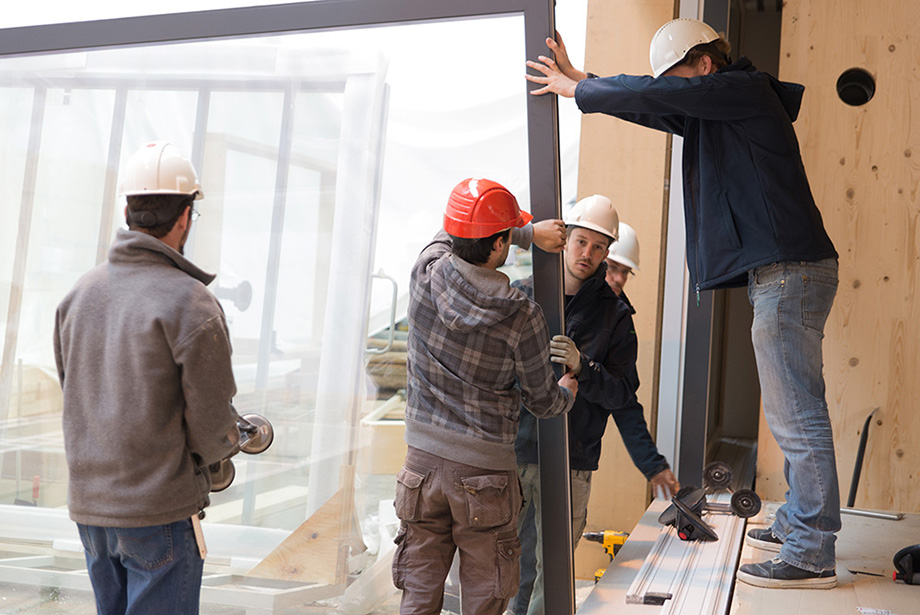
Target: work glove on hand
{"x":563,"y":350}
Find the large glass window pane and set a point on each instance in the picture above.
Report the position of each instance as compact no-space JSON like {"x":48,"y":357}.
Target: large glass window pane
{"x":326,"y":159}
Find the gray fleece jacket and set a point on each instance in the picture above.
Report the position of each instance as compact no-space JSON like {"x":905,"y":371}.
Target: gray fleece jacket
{"x":143,"y":355}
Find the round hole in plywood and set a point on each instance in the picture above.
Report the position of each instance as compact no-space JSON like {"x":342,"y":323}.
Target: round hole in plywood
{"x":856,"y":86}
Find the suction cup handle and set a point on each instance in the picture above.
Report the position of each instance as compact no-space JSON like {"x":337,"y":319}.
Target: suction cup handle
{"x":256,"y":433}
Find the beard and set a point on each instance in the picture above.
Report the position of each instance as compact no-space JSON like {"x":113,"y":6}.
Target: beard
{"x":184,"y":239}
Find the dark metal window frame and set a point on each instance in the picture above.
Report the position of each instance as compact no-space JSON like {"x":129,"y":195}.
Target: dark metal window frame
{"x":543,"y":153}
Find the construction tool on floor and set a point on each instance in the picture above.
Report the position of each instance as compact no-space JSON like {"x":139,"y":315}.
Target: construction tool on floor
{"x":612,"y":540}
{"x":860,"y":452}
{"x":690,"y":504}
{"x":256,"y":435}
{"x":907,"y":565}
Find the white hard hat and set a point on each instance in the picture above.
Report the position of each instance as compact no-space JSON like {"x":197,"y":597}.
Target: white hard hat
{"x":626,"y":250}
{"x":596,"y":213}
{"x":674,"y":39}
{"x":159,"y":168}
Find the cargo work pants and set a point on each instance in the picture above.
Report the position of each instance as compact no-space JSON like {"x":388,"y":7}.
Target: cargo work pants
{"x":445,"y":506}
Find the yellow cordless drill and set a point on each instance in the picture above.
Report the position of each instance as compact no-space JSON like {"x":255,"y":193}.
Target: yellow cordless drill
{"x":612,"y":541}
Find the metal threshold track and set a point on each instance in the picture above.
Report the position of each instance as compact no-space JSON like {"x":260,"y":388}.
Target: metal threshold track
{"x":657,"y":573}
{"x":691,"y":577}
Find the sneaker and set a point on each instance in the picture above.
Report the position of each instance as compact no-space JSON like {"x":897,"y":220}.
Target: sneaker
{"x":777,"y":574}
{"x":763,"y":538}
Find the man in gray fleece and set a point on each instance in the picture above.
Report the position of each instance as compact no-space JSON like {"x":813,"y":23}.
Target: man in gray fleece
{"x":143,"y":356}
{"x":478,"y":349}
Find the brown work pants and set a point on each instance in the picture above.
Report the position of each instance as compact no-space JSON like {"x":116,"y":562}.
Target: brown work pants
{"x":445,"y":506}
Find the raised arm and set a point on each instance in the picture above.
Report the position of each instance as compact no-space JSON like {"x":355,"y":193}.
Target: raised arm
{"x":558,"y":76}
{"x":563,"y":63}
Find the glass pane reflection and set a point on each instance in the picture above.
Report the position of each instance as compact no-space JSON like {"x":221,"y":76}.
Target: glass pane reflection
{"x":326,"y":159}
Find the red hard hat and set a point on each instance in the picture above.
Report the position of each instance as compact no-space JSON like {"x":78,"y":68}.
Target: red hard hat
{"x":480,"y":208}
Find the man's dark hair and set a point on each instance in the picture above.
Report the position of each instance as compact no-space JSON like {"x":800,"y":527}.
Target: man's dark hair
{"x":718,"y":50}
{"x":476,"y":251}
{"x":167,"y":207}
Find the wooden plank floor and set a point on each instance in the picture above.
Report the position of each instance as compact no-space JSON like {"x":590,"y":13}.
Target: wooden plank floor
{"x":862,"y":544}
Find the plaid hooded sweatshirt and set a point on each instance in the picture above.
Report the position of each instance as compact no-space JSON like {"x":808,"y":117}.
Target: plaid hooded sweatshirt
{"x":478,"y":350}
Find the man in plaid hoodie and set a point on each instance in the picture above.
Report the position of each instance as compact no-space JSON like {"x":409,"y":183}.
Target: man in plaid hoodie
{"x":478,"y":350}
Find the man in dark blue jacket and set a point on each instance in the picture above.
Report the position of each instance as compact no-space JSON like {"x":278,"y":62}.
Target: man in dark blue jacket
{"x":751,"y":219}
{"x":622,"y":262}
{"x":604,"y":351}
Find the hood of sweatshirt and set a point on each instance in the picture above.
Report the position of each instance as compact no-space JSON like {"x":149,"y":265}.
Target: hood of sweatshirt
{"x":789,"y":93}
{"x":467,"y":296}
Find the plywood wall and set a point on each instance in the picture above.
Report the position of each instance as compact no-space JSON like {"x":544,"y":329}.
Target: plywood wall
{"x":864,"y":167}
{"x":626,"y":163}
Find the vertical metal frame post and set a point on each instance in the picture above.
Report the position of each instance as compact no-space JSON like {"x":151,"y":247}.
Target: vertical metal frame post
{"x":116,"y":137}
{"x":202,"y":114}
{"x":552,"y":434}
{"x":701,"y":330}
{"x":20,"y":256}
{"x":696,"y":390}
{"x":273,"y":267}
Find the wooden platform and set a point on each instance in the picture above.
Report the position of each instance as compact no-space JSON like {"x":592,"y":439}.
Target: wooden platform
{"x":862,"y":545}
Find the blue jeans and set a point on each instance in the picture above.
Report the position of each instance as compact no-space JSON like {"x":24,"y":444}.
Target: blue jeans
{"x":529,"y":599}
{"x":791,"y":303}
{"x":144,"y":570}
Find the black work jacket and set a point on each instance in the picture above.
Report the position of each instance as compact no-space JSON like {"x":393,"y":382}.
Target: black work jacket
{"x":601,"y":325}
{"x":747,"y":201}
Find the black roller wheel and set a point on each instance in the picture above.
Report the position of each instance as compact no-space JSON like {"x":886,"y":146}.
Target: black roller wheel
{"x":717,"y":475}
{"x":686,"y":493}
{"x":256,"y":434}
{"x":691,"y":497}
{"x":222,"y":474}
{"x":745,"y":503}
{"x":668,"y":516}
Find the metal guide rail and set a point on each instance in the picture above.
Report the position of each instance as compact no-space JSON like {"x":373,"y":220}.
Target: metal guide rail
{"x":657,"y":572}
